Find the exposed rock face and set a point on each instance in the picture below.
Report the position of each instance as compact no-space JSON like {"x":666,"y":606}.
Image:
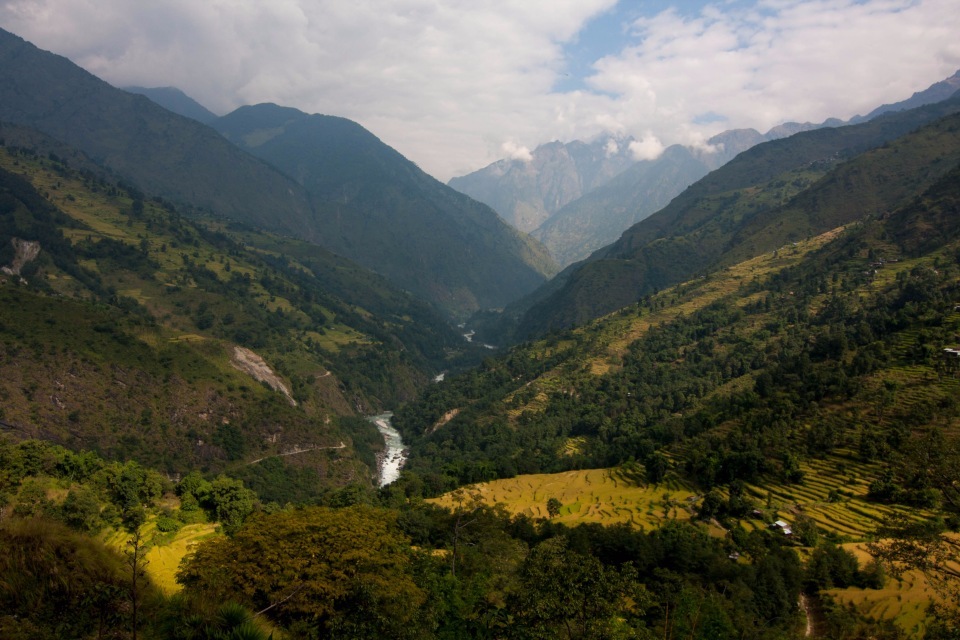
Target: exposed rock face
{"x":527,"y":192}
{"x":254,"y":366}
{"x":25,"y":251}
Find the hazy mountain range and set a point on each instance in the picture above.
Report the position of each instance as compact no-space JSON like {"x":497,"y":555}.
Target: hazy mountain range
{"x":331,"y":181}
{"x":726,"y":216}
{"x":574,"y":209}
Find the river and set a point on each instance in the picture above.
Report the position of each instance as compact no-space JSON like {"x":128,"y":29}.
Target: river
{"x":394,"y":453}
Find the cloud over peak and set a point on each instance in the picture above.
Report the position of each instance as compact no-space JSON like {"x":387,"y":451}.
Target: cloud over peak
{"x":440,"y":81}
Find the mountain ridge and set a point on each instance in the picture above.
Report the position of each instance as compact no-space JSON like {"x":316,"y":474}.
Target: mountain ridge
{"x":449,"y":249}
{"x":368,"y":196}
{"x":175,"y":100}
{"x":601,"y":213}
{"x":643,"y":259}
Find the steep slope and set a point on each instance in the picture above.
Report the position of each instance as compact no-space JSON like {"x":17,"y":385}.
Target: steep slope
{"x":599,"y":217}
{"x":155,"y":150}
{"x":377,"y":208}
{"x":172,"y":99}
{"x":936,"y":92}
{"x":368,"y":202}
{"x":133,"y":331}
{"x":769,"y":195}
{"x":837,"y":346}
{"x":527,"y":191}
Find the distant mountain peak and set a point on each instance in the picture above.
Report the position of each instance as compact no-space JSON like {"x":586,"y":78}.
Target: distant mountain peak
{"x":175,"y":100}
{"x":936,"y":92}
{"x":526,"y":193}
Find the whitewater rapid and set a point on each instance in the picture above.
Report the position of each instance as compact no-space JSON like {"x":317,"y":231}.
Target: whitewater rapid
{"x":394,"y":452}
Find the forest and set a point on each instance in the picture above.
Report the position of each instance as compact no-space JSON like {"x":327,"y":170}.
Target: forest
{"x":804,"y":400}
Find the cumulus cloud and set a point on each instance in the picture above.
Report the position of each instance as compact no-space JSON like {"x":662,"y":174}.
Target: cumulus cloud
{"x":768,"y":62}
{"x":647,"y":148}
{"x":512,"y":151}
{"x":439,"y":80}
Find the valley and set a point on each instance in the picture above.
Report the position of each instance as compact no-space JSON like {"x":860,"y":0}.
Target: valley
{"x":248,"y":387}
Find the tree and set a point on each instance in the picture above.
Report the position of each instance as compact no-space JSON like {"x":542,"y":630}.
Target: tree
{"x":136,"y":555}
{"x":230,"y":502}
{"x":323,"y":569}
{"x":564,"y":594}
{"x":657,"y":466}
{"x":81,"y":510}
{"x":553,"y":507}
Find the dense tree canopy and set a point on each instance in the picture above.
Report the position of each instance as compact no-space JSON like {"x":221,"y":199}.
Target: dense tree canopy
{"x":318,"y":569}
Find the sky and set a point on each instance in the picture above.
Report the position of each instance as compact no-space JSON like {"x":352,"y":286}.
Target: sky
{"x":457,"y":84}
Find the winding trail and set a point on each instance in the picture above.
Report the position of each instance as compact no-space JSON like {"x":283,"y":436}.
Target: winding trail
{"x":811,"y":610}
{"x":298,"y":451}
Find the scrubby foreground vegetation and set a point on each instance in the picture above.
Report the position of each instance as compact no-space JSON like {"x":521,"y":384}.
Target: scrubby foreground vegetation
{"x":411,"y":570}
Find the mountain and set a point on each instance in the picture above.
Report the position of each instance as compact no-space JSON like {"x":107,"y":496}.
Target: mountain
{"x":172,"y":99}
{"x":526,"y":192}
{"x":374,"y":206}
{"x":366,"y":201}
{"x":936,"y":92}
{"x":134,"y":331}
{"x":599,"y":217}
{"x":766,"y":197}
{"x":153,"y":149}
{"x":605,"y":208}
{"x":780,"y":373}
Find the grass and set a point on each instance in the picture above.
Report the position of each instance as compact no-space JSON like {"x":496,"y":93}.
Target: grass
{"x":904,"y":600}
{"x":851,"y":516}
{"x":592,"y":495}
{"x":165,"y":552}
{"x":164,"y":560}
{"x":606,"y":497}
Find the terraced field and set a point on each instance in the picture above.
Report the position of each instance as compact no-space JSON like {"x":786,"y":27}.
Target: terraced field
{"x":904,"y":600}
{"x":833,"y":494}
{"x":164,"y":552}
{"x":593,"y":495}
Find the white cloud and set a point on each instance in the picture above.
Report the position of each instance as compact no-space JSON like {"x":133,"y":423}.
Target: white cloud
{"x":611,"y":148}
{"x":513,"y":151}
{"x":777,"y":61}
{"x":647,"y":148}
{"x":440,"y":80}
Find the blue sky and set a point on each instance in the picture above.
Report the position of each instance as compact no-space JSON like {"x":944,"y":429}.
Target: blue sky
{"x":608,"y":33}
{"x":457,"y":84}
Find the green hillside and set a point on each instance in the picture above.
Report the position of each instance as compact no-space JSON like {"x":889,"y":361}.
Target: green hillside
{"x":152,"y":148}
{"x":379,"y":209}
{"x":816,"y":385}
{"x":773,"y":194}
{"x":337,"y":185}
{"x":831,"y":344}
{"x":122,"y":334}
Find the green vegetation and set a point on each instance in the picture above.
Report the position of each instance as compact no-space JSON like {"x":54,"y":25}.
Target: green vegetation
{"x":769,"y":196}
{"x":377,"y":208}
{"x":207,"y":380}
{"x":352,"y":572}
{"x":129,"y":314}
{"x":813,"y":384}
{"x":341,"y":188}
